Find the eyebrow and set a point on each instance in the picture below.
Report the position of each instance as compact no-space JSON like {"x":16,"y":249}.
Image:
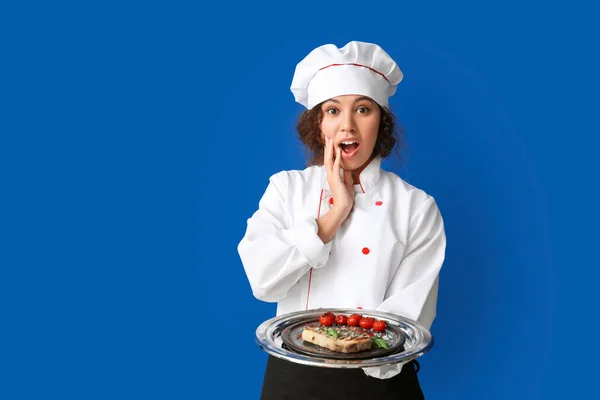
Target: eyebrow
{"x":361,"y":98}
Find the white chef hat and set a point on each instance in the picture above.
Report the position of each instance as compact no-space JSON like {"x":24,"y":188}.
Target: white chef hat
{"x":357,"y":68}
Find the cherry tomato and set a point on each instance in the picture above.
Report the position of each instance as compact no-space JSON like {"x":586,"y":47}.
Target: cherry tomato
{"x":367,"y":322}
{"x":379,"y":326}
{"x":354,"y":319}
{"x":327,"y":319}
{"x":341,"y":319}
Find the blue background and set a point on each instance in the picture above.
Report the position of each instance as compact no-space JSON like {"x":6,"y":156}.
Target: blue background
{"x":137,"y":138}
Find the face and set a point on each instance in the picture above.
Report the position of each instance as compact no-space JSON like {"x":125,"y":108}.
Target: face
{"x":352,"y":122}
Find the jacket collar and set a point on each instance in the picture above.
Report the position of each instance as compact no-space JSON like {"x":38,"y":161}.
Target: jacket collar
{"x":368,"y":178}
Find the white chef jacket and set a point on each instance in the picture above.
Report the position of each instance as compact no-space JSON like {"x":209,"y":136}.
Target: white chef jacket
{"x":386,"y":255}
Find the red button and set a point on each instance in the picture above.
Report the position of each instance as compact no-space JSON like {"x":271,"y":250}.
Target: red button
{"x":359,"y":307}
{"x":331,"y":200}
{"x":378,"y":203}
{"x":366,"y":250}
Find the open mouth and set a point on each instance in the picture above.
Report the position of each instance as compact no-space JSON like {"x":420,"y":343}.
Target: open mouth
{"x":349,"y":147}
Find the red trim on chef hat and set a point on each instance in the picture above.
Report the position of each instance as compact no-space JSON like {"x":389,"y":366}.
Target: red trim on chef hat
{"x":357,"y":68}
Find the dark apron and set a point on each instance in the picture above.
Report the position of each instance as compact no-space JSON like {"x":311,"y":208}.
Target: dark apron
{"x":285,"y":380}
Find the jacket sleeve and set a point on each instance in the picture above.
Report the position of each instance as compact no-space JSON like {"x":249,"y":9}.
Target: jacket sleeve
{"x":274,"y":255}
{"x":413,"y":290}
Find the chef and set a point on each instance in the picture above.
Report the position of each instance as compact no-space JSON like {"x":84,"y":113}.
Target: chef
{"x":344,"y":232}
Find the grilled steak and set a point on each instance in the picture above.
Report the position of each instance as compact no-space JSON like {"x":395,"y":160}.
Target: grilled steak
{"x":350,"y":339}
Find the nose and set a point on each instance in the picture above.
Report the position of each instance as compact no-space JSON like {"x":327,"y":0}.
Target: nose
{"x":347,"y":124}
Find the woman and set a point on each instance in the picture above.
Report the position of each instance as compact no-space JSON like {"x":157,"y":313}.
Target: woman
{"x":344,"y":233}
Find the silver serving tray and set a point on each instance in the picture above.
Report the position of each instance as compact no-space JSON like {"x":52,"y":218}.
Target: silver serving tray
{"x":416,"y":341}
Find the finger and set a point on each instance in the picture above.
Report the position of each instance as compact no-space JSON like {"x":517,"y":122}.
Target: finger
{"x":328,"y":155}
{"x":332,"y":154}
{"x":336,"y":164}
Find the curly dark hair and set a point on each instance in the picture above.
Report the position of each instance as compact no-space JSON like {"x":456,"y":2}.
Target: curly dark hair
{"x":309,"y":132}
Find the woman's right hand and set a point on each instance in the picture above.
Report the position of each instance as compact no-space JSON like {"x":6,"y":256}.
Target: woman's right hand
{"x":342,"y":190}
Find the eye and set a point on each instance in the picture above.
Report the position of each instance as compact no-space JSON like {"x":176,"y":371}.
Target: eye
{"x":362,"y":109}
{"x":332,"y":110}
